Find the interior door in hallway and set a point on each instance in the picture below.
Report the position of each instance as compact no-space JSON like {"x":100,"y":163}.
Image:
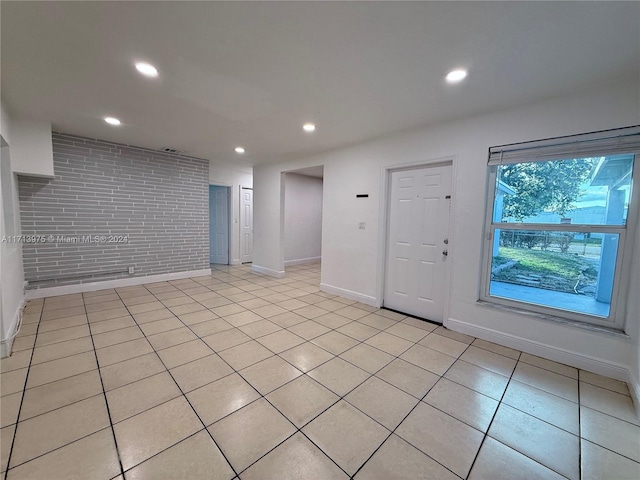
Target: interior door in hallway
{"x":246,"y":225}
{"x":219,"y":224}
{"x":416,"y":274}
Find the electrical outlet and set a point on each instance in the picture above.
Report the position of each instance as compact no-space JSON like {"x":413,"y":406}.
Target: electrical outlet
{"x":362,"y":225}
{"x":132,"y":270}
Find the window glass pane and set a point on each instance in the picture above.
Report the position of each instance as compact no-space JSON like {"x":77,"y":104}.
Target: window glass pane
{"x":582,"y":191}
{"x":565,"y":270}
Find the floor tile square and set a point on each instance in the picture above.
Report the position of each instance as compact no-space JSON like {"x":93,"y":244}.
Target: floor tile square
{"x":192,"y":375}
{"x":161,"y":326}
{"x":550,"y":365}
{"x":93,"y":457}
{"x":456,"y":449}
{"x":538,"y":440}
{"x":302,"y":399}
{"x":211,"y":327}
{"x":408,"y":377}
{"x":57,"y":369}
{"x":306,"y":357}
{"x":154,"y":430}
{"x":163,"y":340}
{"x":332,"y":320}
{"x":131,"y":399}
{"x":489,"y":360}
{"x":399,"y":459}
{"x":610,"y":432}
{"x":477,"y":378}
{"x":287,"y":319}
{"x":221,"y":398}
{"x":111,"y":325}
{"x":123,"y":351}
{"x":250,"y":432}
{"x":280,"y":341}
{"x":339,"y":376}
{"x":408,"y":332}
{"x":497,"y":461}
{"x":383,"y":402}
{"x":242,"y":318}
{"x":606,"y":401}
{"x":42,"y":434}
{"x":546,"y":380}
{"x":226,"y":339}
{"x":310,"y":312}
{"x":335,"y":342}
{"x":428,"y":359}
{"x":389,"y":343}
{"x":377,"y":321}
{"x":269,"y":374}
{"x":604,"y":382}
{"x":598,"y":462}
{"x":358,"y":331}
{"x":545,"y":406}
{"x":309,"y":329}
{"x":193,"y":458}
{"x":443,"y":344}
{"x":60,"y":393}
{"x":260,"y":328}
{"x":246,"y":354}
{"x":367,"y":358}
{"x":347,"y":435}
{"x":129,"y":371}
{"x":184,"y":353}
{"x":197,"y":317}
{"x":296,"y":458}
{"x":462,"y":403}
{"x":117,"y":336}
{"x":63,"y":334}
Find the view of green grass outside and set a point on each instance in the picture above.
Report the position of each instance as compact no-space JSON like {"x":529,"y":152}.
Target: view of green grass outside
{"x":562,"y":272}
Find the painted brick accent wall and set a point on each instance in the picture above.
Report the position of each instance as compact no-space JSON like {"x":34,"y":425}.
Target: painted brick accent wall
{"x":158,"y":200}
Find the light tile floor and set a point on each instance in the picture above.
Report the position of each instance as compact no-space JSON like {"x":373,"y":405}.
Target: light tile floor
{"x":238,"y":375}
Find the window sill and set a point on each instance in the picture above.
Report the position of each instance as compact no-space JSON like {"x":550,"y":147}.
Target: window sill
{"x":555,"y":319}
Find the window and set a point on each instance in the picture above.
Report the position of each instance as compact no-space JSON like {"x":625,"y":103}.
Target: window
{"x":559,"y":217}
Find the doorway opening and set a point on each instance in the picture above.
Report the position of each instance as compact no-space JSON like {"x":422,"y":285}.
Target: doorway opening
{"x":219,"y":228}
{"x":303,"y":195}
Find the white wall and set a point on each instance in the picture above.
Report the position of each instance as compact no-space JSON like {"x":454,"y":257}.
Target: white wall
{"x":31,"y":148}
{"x":11,"y":271}
{"x":302,"y":219}
{"x":352,"y":258}
{"x":234,"y":177}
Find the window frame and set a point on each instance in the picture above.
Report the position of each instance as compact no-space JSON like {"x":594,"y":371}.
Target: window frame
{"x":626,"y":232}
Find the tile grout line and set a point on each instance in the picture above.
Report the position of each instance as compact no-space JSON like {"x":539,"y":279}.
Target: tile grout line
{"x":486,"y":434}
{"x":24,"y":389}
{"x":106,"y":402}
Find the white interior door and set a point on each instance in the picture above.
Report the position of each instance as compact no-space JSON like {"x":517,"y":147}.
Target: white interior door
{"x":219,"y":224}
{"x":416,"y":274}
{"x":246,"y":225}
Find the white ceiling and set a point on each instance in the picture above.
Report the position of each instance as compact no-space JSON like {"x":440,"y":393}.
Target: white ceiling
{"x":250,"y":73}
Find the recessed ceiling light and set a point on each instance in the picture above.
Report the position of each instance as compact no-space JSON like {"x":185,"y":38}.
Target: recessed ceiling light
{"x":147,"y":69}
{"x":309,"y":127}
{"x":112,"y":120}
{"x":239,"y":150}
{"x":455,"y":76}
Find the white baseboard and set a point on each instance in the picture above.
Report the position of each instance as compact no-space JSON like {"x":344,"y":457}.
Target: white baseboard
{"x":7,"y":343}
{"x":567,"y":357}
{"x":267,"y":271}
{"x":302,"y":261}
{"x":342,"y":292}
{"x":634,"y":389}
{"x":121,"y":282}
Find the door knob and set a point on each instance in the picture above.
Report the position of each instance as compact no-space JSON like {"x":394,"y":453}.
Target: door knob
{"x":445,"y":252}
{"x":446,"y":241}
